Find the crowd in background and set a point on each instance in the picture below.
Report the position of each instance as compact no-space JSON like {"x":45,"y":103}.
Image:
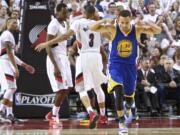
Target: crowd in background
{"x":158,"y":78}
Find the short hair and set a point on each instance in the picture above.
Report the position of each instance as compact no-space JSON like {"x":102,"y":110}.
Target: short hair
{"x":9,"y":20}
{"x":112,"y":3}
{"x":143,"y":59}
{"x":60,"y":6}
{"x":125,"y":13}
{"x":90,"y":9}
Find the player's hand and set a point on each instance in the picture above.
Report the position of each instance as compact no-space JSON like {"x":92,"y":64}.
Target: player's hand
{"x":29,"y":69}
{"x":16,"y":73}
{"x":57,"y":72}
{"x":41,"y":46}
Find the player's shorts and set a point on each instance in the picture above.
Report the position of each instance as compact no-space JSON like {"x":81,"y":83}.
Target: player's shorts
{"x":64,"y":81}
{"x":7,"y":79}
{"x":92,"y":70}
{"x":79,"y":81}
{"x":122,"y":74}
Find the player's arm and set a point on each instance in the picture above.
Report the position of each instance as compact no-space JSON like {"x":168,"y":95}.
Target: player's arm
{"x":100,"y":26}
{"x":104,"y":55}
{"x":50,"y":54}
{"x":104,"y":58}
{"x":61,"y":38}
{"x":27,"y":67}
{"x":72,"y":52}
{"x":150,"y":29}
{"x":11,"y":57}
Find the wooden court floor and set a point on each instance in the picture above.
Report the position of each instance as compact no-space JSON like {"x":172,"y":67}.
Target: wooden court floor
{"x":143,"y":126}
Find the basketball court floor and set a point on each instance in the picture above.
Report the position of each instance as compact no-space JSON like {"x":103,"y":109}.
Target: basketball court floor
{"x":143,"y":126}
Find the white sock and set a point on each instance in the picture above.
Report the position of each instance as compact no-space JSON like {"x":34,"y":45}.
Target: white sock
{"x":89,"y":109}
{"x":9,"y":111}
{"x":55,"y":111}
{"x":102,"y":111}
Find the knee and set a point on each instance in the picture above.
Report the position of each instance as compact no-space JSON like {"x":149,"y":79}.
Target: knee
{"x":83,"y":94}
{"x":119,"y":89}
{"x":129,"y":102}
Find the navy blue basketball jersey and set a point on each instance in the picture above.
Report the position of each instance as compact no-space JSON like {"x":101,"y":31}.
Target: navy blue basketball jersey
{"x":124,"y":48}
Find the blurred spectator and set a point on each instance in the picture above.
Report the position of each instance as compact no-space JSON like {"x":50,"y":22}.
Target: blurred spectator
{"x":156,"y":53}
{"x":165,"y":5}
{"x":174,"y":10}
{"x":169,"y":84}
{"x":176,"y":31}
{"x":146,"y":87}
{"x":137,"y":6}
{"x":3,"y":16}
{"x":152,"y":16}
{"x":177,"y":60}
{"x":104,"y":4}
{"x":111,"y":11}
{"x":98,"y":6}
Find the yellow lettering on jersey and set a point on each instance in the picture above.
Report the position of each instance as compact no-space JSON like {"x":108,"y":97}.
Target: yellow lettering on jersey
{"x":124,"y":48}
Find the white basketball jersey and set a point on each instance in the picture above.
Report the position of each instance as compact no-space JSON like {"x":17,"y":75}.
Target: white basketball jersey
{"x":56,"y":29}
{"x":6,"y":36}
{"x":90,"y":40}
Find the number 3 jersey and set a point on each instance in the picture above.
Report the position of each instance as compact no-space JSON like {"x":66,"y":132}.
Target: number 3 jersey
{"x":90,"y":40}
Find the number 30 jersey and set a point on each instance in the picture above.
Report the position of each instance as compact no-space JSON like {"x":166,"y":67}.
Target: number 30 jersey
{"x":90,"y":40}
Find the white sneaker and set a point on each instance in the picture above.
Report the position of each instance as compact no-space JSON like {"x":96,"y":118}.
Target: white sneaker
{"x":122,"y":125}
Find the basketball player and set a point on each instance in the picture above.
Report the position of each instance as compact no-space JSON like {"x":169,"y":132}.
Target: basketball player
{"x":58,"y":66}
{"x":122,"y":59}
{"x":79,"y":82}
{"x":91,"y":61}
{"x":9,"y":69}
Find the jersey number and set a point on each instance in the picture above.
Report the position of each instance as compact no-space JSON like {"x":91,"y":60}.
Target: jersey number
{"x":91,"y":42}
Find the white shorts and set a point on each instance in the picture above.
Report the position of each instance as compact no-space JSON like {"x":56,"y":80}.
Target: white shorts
{"x":7,"y":79}
{"x":79,"y":82}
{"x":92,"y":70}
{"x":63,"y":82}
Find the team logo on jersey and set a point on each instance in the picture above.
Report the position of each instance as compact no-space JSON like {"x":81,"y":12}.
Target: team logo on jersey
{"x":37,"y":35}
{"x":124,"y":48}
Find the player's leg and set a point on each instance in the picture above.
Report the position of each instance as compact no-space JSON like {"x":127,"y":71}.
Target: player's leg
{"x":9,"y":84}
{"x":60,"y":90}
{"x":129,"y":89}
{"x":115,"y":85}
{"x":8,"y":101}
{"x":98,"y":79}
{"x":87,"y":64}
{"x":101,"y":102}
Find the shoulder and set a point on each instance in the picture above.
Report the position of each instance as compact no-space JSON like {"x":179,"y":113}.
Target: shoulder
{"x":53,"y":23}
{"x":6,"y":33}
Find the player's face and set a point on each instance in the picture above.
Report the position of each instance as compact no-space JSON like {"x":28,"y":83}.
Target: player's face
{"x":125,"y":23}
{"x":63,"y":14}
